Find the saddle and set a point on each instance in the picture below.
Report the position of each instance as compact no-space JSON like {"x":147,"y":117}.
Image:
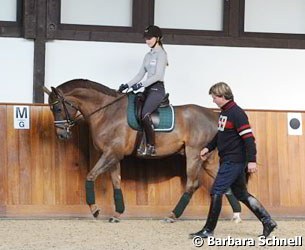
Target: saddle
{"x":163,"y":118}
{"x":155,"y":116}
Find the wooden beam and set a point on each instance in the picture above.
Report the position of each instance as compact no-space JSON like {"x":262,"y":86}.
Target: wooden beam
{"x":39,"y":51}
{"x":234,"y":17}
{"x":39,"y":70}
{"x":29,"y":19}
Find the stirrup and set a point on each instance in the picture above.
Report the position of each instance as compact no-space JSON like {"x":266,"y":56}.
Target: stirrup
{"x":149,"y":150}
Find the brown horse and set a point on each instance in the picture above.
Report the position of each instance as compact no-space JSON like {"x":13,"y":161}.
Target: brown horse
{"x":105,"y":111}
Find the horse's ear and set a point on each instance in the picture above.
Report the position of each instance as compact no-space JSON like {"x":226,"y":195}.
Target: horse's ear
{"x":46,"y":90}
{"x":54,"y":90}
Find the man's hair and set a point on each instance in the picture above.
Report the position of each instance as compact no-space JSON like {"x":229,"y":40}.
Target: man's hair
{"x":221,"y":89}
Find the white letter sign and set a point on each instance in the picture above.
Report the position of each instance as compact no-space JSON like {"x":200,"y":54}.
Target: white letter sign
{"x":21,"y":117}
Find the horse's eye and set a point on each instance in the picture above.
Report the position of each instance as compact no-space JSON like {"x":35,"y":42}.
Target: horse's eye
{"x":57,"y":109}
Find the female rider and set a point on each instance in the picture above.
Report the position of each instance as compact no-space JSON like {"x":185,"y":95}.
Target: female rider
{"x":154,"y":64}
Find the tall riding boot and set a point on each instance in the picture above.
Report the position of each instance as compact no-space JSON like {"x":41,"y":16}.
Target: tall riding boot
{"x":215,"y":208}
{"x":261,"y":213}
{"x":150,"y":135}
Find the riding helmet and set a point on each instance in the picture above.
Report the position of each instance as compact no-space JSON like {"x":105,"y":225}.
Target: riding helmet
{"x":152,"y":31}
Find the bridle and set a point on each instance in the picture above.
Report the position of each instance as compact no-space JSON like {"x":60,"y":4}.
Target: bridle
{"x":68,"y":122}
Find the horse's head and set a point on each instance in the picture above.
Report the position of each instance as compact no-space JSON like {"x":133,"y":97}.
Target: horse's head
{"x":64,"y":113}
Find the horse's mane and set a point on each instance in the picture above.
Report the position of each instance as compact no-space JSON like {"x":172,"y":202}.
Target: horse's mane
{"x":87,"y":84}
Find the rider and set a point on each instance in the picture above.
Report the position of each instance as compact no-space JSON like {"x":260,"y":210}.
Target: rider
{"x":154,"y":64}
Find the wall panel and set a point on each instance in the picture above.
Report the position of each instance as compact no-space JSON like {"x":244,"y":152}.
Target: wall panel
{"x":43,"y":176}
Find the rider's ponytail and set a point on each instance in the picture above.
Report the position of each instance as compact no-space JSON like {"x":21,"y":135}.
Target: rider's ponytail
{"x":161,"y":44}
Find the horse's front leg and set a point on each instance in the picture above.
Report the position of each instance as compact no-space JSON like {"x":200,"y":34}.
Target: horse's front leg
{"x":117,"y":193}
{"x":106,"y":162}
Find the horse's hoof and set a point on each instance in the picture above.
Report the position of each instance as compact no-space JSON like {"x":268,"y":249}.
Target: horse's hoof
{"x":114,"y":220}
{"x":96,"y":212}
{"x":236,"y":219}
{"x":169,"y":220}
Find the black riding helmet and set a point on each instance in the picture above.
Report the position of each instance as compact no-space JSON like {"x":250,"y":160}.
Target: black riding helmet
{"x":152,"y":31}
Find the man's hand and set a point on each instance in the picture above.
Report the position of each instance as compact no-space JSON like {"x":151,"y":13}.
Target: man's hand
{"x":252,"y":167}
{"x":204,"y":154}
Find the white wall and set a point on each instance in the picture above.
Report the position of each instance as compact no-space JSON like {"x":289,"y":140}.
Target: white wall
{"x":260,"y":78}
{"x":16,"y":70}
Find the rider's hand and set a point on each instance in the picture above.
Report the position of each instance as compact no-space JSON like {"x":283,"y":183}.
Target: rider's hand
{"x":137,"y":86}
{"x":123,"y":87}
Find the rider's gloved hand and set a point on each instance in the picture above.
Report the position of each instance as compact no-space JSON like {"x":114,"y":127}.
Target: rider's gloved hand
{"x":137,"y":86}
{"x":123,"y":87}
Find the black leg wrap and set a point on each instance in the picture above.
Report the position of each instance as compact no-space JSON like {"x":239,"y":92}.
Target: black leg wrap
{"x":90,"y":194}
{"x":118,"y":201}
{"x":183,"y":202}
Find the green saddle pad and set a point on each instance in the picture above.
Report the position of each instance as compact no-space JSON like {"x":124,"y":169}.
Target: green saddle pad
{"x":166,"y":116}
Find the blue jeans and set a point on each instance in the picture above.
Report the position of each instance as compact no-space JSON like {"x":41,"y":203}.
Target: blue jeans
{"x":230,"y":174}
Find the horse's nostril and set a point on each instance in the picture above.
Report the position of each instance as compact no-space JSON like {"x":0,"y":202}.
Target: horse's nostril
{"x":64,"y":136}
{"x":61,"y":137}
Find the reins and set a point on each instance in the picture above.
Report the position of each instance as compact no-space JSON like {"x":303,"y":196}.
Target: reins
{"x":70,"y":122}
{"x":101,"y":108}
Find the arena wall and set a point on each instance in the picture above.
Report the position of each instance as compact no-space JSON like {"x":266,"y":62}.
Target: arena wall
{"x":41,"y":176}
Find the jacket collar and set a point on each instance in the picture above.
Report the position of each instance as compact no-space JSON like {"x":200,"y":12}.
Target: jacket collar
{"x":228,"y":105}
{"x":155,"y":49}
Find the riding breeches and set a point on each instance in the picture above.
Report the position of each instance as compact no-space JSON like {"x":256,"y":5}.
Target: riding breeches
{"x":154,"y":96}
{"x":231,"y":175}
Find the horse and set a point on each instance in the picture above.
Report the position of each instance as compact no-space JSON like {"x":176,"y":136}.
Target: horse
{"x":104,"y":110}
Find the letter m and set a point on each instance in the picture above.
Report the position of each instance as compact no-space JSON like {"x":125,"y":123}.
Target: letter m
{"x":21,"y":114}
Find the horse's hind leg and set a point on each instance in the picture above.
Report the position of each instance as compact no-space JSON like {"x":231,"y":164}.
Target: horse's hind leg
{"x":193,"y":165}
{"x":117,"y":194}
